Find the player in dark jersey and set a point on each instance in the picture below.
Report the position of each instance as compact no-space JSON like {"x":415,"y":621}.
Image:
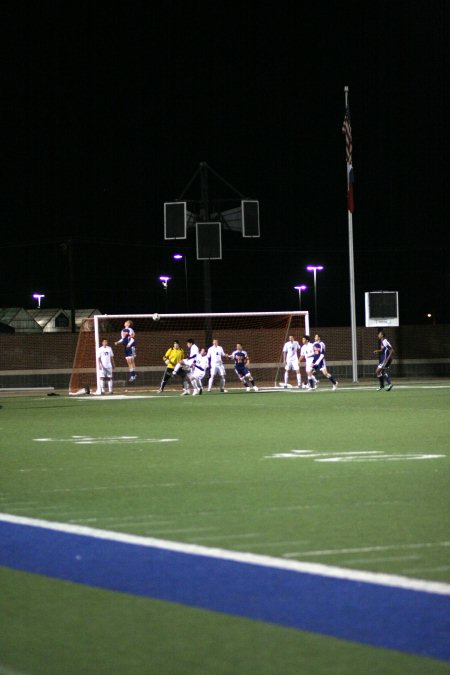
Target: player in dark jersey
{"x":385,"y":352}
{"x":241,"y":360}
{"x":319,"y":362}
{"x":128,"y":340}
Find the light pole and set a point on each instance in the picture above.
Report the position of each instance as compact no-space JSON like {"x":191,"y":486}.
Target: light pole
{"x":165,"y":283}
{"x":38,"y":297}
{"x":315,"y":269}
{"x":300,"y":289}
{"x":181,"y":256}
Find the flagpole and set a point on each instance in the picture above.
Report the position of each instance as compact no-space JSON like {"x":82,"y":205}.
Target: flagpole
{"x":351,"y":266}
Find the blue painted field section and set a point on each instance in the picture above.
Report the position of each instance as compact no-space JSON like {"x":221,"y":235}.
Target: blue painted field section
{"x":372,"y":613}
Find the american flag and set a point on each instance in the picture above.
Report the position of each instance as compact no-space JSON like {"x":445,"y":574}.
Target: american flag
{"x":347,"y":131}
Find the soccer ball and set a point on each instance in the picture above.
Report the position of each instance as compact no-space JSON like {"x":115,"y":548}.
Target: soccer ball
{"x":156,"y":317}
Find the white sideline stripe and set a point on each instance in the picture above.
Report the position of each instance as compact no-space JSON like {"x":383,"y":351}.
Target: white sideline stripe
{"x":319,"y":569}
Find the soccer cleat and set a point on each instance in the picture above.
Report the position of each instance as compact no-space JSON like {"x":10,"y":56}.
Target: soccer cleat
{"x":390,"y":387}
{"x":194,"y":393}
{"x":285,"y":386}
{"x":200,"y":391}
{"x":255,"y":388}
{"x":334,"y":387}
{"x":224,"y":391}
{"x":184,"y":393}
{"x":132,"y":378}
{"x":247,"y":388}
{"x":380,"y":388}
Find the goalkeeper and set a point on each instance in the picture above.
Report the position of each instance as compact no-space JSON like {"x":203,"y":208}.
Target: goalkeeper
{"x":172,"y":356}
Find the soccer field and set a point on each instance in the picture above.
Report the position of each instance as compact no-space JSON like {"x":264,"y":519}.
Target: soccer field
{"x":280,"y":531}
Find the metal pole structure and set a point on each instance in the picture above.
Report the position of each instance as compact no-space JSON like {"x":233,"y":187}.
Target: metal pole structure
{"x":205,"y":217}
{"x":183,"y":256}
{"x":186,"y":283}
{"x":314,"y":269}
{"x":73,"y":327}
{"x":300,"y":289}
{"x":316,"y":318}
{"x":350,"y":248}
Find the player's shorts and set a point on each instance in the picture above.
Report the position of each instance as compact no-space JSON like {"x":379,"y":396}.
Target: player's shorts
{"x":130,"y":352}
{"x":386,"y":365}
{"x":242,"y":371}
{"x":309,"y":363}
{"x":292,"y":364}
{"x":199,"y":373}
{"x":218,"y":369}
{"x":106,"y":372}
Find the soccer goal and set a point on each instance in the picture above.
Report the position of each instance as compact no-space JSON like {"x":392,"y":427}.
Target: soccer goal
{"x":261,"y":334}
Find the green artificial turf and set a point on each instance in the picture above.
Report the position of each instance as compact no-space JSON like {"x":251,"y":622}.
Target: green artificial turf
{"x":53,"y":627}
{"x":220,"y":484}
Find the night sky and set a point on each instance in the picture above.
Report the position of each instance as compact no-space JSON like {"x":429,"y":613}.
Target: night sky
{"x":109,"y":109}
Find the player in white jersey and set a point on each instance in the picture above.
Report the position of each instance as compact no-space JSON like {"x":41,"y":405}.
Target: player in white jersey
{"x":215,"y":356}
{"x":186,"y":365}
{"x":105,"y":357}
{"x":291,"y":351}
{"x":199,"y":368}
{"x":319,"y":360}
{"x":307,"y":353}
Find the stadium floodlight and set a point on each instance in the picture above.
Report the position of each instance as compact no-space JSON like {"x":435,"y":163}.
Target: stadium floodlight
{"x":165,"y":283}
{"x":315,"y":269}
{"x":181,"y":256}
{"x":38,"y":297}
{"x":164,"y":280}
{"x":300,"y":288}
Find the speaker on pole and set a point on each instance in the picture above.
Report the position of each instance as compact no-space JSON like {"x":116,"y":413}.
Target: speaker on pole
{"x":175,"y":220}
{"x":250,"y":218}
{"x":209,"y":241}
{"x":382,"y":308}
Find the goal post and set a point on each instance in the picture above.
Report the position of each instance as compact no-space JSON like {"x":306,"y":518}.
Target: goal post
{"x":261,"y":334}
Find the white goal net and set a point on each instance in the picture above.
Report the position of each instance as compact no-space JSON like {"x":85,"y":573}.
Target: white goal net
{"x":261,"y":334}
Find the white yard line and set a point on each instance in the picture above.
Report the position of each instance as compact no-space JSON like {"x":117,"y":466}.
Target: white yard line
{"x":370,"y":549}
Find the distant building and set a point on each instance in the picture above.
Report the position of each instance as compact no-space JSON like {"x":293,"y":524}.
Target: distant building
{"x":82,"y":314}
{"x":4,"y":328}
{"x":20,"y":319}
{"x":42,"y":320}
{"x":51,"y":320}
